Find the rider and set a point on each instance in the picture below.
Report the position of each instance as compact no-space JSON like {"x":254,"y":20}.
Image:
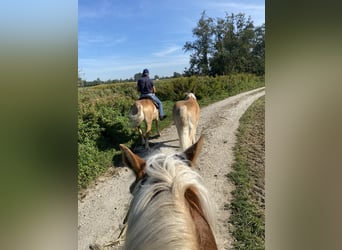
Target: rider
{"x":147,"y":89}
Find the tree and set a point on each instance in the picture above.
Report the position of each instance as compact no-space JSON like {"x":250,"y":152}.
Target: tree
{"x":80,"y":81}
{"x":258,"y":52}
{"x":98,"y":81}
{"x":175,"y":75}
{"x":229,"y":45}
{"x":202,"y":46}
{"x":233,"y":42}
{"x":218,"y":58}
{"x":137,"y":76}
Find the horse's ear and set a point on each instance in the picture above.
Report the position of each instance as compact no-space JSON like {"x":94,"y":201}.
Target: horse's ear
{"x":133,"y":161}
{"x":192,"y":152}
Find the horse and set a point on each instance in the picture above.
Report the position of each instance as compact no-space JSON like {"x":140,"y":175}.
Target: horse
{"x":144,"y":110}
{"x":170,"y":208}
{"x":186,"y":115}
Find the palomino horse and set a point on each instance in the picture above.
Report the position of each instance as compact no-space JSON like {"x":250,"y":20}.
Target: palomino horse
{"x":144,"y":110}
{"x":170,"y":208}
{"x":186,"y":115}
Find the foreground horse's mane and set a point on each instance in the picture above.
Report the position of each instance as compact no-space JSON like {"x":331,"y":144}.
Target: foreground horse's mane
{"x":170,"y":207}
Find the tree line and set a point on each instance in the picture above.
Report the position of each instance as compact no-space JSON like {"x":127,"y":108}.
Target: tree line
{"x":227,"y":45}
{"x":83,"y":83}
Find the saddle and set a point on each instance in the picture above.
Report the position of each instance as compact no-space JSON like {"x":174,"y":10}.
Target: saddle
{"x":148,"y":97}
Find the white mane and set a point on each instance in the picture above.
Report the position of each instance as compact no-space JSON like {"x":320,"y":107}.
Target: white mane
{"x":190,"y":95}
{"x":159,"y":217}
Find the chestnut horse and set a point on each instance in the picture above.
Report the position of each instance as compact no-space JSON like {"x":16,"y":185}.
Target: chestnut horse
{"x":170,"y":208}
{"x":144,"y":110}
{"x":186,"y":115}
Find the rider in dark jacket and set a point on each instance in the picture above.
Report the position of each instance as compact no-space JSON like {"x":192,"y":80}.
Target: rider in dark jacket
{"x":147,"y":89}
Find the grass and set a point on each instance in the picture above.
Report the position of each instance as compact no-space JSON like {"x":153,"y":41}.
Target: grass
{"x":248,"y":176}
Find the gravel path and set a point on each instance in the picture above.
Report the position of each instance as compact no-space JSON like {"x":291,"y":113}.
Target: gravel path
{"x":102,"y":210}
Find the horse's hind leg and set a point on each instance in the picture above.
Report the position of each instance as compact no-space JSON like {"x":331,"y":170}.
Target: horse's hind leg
{"x":147,"y":134}
{"x":157,"y":127}
{"x":141,"y":135}
{"x":193,"y":134}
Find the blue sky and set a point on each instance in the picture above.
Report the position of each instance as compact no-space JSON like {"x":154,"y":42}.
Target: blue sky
{"x":119,"y":38}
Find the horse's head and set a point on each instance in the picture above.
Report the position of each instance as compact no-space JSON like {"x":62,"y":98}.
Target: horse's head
{"x":167,"y":187}
{"x":137,"y":164}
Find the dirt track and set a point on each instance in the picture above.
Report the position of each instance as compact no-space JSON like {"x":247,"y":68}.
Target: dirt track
{"x":102,"y":210}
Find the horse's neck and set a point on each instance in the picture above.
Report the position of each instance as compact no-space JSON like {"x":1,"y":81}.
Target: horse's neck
{"x":205,"y":236}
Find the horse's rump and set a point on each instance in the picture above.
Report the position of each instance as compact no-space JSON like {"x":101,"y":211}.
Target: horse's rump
{"x":181,"y":120}
{"x":136,"y":115}
{"x":150,"y":98}
{"x":144,"y":110}
{"x":186,"y":117}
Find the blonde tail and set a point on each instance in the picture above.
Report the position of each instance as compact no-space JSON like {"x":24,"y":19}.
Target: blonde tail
{"x":136,"y":115}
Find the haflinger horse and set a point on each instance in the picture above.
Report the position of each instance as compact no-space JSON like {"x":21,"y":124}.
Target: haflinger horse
{"x":170,"y":208}
{"x":144,"y":110}
{"x":186,"y":115}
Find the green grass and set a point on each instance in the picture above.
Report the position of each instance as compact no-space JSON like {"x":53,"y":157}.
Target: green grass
{"x":248,"y":176}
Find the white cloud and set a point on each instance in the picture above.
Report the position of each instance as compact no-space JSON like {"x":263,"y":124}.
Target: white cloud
{"x":167,"y":51}
{"x":94,"y":40}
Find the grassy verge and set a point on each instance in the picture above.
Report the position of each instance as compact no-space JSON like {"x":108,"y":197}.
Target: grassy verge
{"x":248,"y":176}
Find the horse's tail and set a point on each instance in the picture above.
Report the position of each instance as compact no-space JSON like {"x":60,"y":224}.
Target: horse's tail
{"x":182,"y":121}
{"x":136,"y":115}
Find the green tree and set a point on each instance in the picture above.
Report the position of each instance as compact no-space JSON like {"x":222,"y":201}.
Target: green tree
{"x":98,"y":81}
{"x":201,"y":47}
{"x":258,"y":52}
{"x":233,"y":44}
{"x":176,"y":75}
{"x":226,"y":45}
{"x":218,"y":59}
{"x":137,"y":76}
{"x":80,"y":81}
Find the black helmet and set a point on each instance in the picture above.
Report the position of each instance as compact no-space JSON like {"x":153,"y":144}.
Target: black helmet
{"x":145,"y":72}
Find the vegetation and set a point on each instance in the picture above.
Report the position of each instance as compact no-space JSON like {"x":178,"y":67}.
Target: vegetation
{"x":226,"y":46}
{"x":248,"y":204}
{"x":103,"y":114}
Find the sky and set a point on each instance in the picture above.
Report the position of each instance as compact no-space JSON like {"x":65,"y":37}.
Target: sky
{"x":117,"y":39}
